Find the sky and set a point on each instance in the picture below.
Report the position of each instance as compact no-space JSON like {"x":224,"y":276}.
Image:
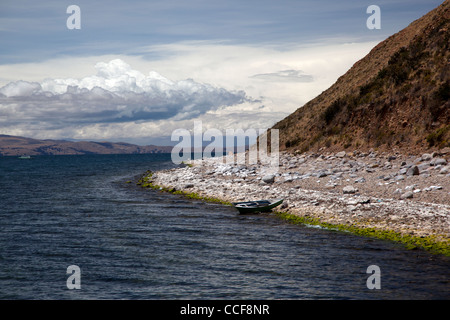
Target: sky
{"x":136,"y":71}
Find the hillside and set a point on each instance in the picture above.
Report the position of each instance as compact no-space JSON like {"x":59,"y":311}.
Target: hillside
{"x":16,"y":146}
{"x":395,"y":98}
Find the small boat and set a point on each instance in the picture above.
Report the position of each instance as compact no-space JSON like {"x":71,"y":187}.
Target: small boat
{"x":257,"y":206}
{"x":24,"y":157}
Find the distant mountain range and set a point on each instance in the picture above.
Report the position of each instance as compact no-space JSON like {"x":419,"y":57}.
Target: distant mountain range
{"x":18,"y":146}
{"x":396,"y":98}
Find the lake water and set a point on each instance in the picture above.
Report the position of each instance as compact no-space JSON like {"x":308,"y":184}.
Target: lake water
{"x":132,"y":243}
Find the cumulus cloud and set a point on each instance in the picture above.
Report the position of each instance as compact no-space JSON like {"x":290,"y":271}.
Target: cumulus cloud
{"x":116,"y":93}
{"x":113,"y":101}
{"x":20,"y":88}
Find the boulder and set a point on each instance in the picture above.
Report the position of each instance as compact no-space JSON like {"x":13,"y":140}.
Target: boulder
{"x":445,"y":170}
{"x":349,"y":190}
{"x":269,"y":178}
{"x":321,"y":174}
{"x":340,"y":154}
{"x":390,"y":158}
{"x":413,"y":171}
{"x":360,"y":180}
{"x":407,"y":195}
{"x":423,"y":167}
{"x":438,"y":161}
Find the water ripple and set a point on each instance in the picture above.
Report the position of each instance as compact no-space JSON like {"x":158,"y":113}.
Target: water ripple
{"x":132,"y":243}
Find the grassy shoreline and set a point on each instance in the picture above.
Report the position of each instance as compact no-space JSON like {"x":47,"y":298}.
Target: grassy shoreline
{"x":410,"y":242}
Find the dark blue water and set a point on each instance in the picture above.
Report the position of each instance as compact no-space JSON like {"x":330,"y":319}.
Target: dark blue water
{"x":131,"y":243}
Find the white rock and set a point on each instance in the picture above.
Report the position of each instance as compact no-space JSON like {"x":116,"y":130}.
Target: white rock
{"x":407,"y":195}
{"x":349,"y":190}
{"x":340,"y":154}
{"x":426,"y":157}
{"x":438,"y":161}
{"x":445,"y":170}
{"x":360,"y":180}
{"x":269,"y":178}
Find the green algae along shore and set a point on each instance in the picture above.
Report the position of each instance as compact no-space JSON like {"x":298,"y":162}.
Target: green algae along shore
{"x":405,"y":199}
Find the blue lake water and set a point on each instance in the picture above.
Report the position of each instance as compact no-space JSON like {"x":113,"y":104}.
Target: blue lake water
{"x":131,"y":243}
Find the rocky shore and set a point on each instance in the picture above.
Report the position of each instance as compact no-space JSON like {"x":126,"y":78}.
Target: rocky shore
{"x":408,"y":195}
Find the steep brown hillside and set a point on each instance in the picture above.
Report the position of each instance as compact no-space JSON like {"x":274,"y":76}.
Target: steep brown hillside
{"x":396,"y":97}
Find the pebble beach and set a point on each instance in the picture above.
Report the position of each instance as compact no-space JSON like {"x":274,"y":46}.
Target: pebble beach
{"x":408,"y":195}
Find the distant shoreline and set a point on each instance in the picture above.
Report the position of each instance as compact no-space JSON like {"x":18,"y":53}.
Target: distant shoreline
{"x":19,"y":146}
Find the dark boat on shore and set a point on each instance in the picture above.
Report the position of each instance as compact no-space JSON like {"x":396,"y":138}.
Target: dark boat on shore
{"x":256,"y":206}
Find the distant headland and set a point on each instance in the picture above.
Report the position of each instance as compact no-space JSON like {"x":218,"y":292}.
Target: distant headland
{"x":18,"y":146}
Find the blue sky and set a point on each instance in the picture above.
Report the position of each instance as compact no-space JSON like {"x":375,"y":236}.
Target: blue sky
{"x":36,"y":30}
{"x":137,"y":70}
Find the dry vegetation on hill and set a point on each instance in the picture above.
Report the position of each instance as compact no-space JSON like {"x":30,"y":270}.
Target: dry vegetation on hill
{"x":395,"y":98}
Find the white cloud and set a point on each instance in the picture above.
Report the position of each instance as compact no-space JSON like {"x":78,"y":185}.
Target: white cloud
{"x":226,"y":86}
{"x":20,"y":88}
{"x":116,"y":93}
{"x":285,"y":76}
{"x":236,"y":67}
